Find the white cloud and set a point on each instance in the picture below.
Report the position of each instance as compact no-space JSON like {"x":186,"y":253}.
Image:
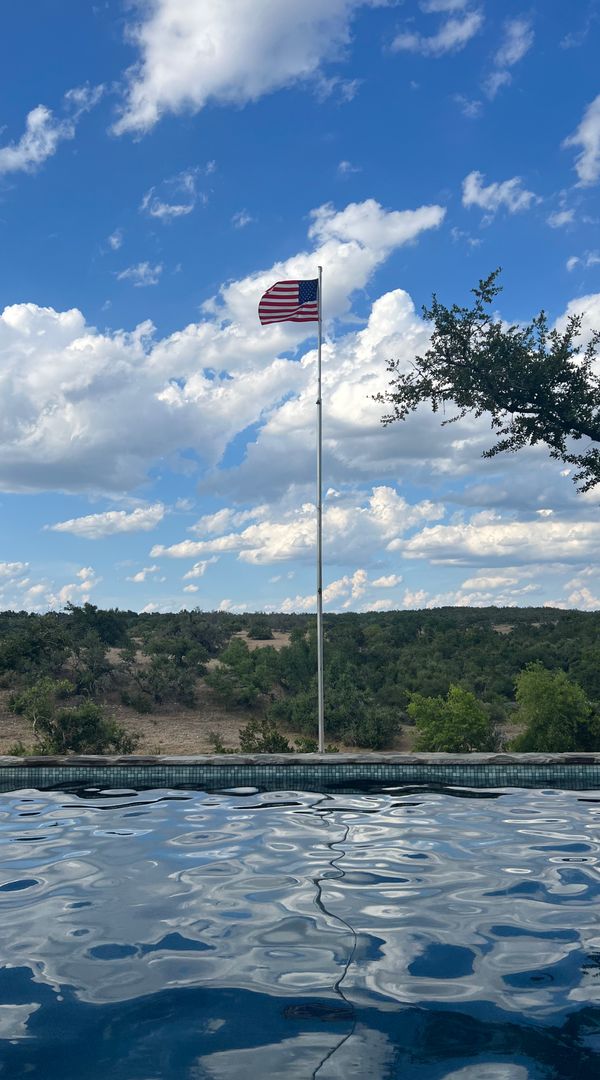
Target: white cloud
{"x":518,"y":39}
{"x":174,"y":198}
{"x":377,"y":605}
{"x":141,"y":275}
{"x":506,"y":541}
{"x":431,"y":7}
{"x":142,"y":574}
{"x":591,"y":258}
{"x":77,"y":592}
{"x":452,"y":36}
{"x":471,"y":108}
{"x":241,"y":219}
{"x":68,"y":392}
{"x":199,"y":568}
{"x":228,"y":605}
{"x":192,"y":54}
{"x":558,"y":218}
{"x":587,"y":136}
{"x":190,"y":588}
{"x":510,"y":194}
{"x":115,"y":239}
{"x":388,"y":582}
{"x":345,"y":168}
{"x":44,"y":131}
{"x":350,"y":530}
{"x":96,"y":526}
{"x":12,"y":569}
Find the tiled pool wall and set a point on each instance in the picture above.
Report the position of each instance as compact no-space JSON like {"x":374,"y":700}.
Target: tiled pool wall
{"x":312,"y":772}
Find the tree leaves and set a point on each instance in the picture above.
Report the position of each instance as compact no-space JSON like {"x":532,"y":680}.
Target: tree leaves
{"x":537,"y":384}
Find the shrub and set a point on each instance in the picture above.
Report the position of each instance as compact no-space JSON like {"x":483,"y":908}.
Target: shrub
{"x":556,"y":713}
{"x":84,"y":730}
{"x":457,"y":724}
{"x":263,"y":737}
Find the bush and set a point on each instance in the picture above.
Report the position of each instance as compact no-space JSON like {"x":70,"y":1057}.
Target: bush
{"x":556,"y":713}
{"x":141,"y":702}
{"x":84,"y":730}
{"x":263,"y":737}
{"x":457,"y":724}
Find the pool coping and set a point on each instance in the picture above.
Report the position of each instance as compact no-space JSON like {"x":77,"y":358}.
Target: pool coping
{"x":283,"y":760}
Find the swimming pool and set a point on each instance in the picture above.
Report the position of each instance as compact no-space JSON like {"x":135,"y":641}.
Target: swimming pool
{"x":415,"y":932}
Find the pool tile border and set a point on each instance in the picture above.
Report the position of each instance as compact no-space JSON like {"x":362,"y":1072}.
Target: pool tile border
{"x":306,"y":771}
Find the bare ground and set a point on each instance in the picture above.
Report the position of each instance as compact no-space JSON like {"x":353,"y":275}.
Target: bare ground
{"x":177,"y":730}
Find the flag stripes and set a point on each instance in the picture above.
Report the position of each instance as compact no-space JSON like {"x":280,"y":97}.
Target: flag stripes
{"x":290,"y":301}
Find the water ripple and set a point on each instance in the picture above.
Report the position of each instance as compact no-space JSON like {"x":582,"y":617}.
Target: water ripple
{"x":423,"y":935}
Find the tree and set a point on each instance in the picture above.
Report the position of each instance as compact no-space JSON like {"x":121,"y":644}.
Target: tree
{"x":538,"y":385}
{"x":457,"y":724}
{"x":80,"y":730}
{"x":555,"y":712}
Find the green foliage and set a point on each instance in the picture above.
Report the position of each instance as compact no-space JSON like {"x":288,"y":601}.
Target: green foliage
{"x":242,"y":676}
{"x":91,"y":669}
{"x":456,"y":724}
{"x":33,"y":646}
{"x":261,"y":736}
{"x":37,"y":703}
{"x":555,"y":712}
{"x":83,"y":729}
{"x":538,"y":385}
{"x":142,"y":703}
{"x":259,"y":629}
{"x":109,"y":626}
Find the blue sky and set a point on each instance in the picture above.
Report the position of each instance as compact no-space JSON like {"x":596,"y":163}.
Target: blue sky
{"x":161,"y":164}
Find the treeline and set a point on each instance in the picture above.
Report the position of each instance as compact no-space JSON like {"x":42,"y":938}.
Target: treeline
{"x":461,"y":676}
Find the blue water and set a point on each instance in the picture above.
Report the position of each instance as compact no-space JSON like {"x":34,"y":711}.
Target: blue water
{"x":167,"y":935}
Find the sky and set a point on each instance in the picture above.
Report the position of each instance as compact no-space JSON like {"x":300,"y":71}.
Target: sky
{"x":161,"y":165}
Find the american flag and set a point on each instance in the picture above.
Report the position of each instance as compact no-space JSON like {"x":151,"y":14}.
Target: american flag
{"x":290,"y":301}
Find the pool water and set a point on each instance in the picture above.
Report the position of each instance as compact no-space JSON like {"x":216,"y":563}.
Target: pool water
{"x":414,"y":933}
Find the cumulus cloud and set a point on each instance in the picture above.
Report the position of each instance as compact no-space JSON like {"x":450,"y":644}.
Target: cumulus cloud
{"x":68,"y":392}
{"x":587,"y":136}
{"x":199,"y":568}
{"x":387,"y":582}
{"x":350,"y":530}
{"x":338,"y":595}
{"x":143,"y":574}
{"x":510,"y":542}
{"x":234,"y":53}
{"x":44,"y":131}
{"x":96,"y":526}
{"x":452,"y":36}
{"x":12,"y":569}
{"x":491,"y":197}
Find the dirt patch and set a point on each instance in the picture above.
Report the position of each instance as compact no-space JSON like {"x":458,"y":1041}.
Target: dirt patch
{"x":176,"y":731}
{"x":280,"y":640}
{"x":502,"y":628}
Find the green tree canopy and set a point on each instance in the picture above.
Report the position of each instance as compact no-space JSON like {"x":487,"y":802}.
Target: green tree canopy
{"x":538,"y":385}
{"x":456,"y":724}
{"x":555,"y":712}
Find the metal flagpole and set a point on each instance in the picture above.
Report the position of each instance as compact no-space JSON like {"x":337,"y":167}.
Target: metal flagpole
{"x":320,"y":530}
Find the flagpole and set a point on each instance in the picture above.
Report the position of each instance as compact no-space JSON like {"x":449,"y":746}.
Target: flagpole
{"x":321,"y":701}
